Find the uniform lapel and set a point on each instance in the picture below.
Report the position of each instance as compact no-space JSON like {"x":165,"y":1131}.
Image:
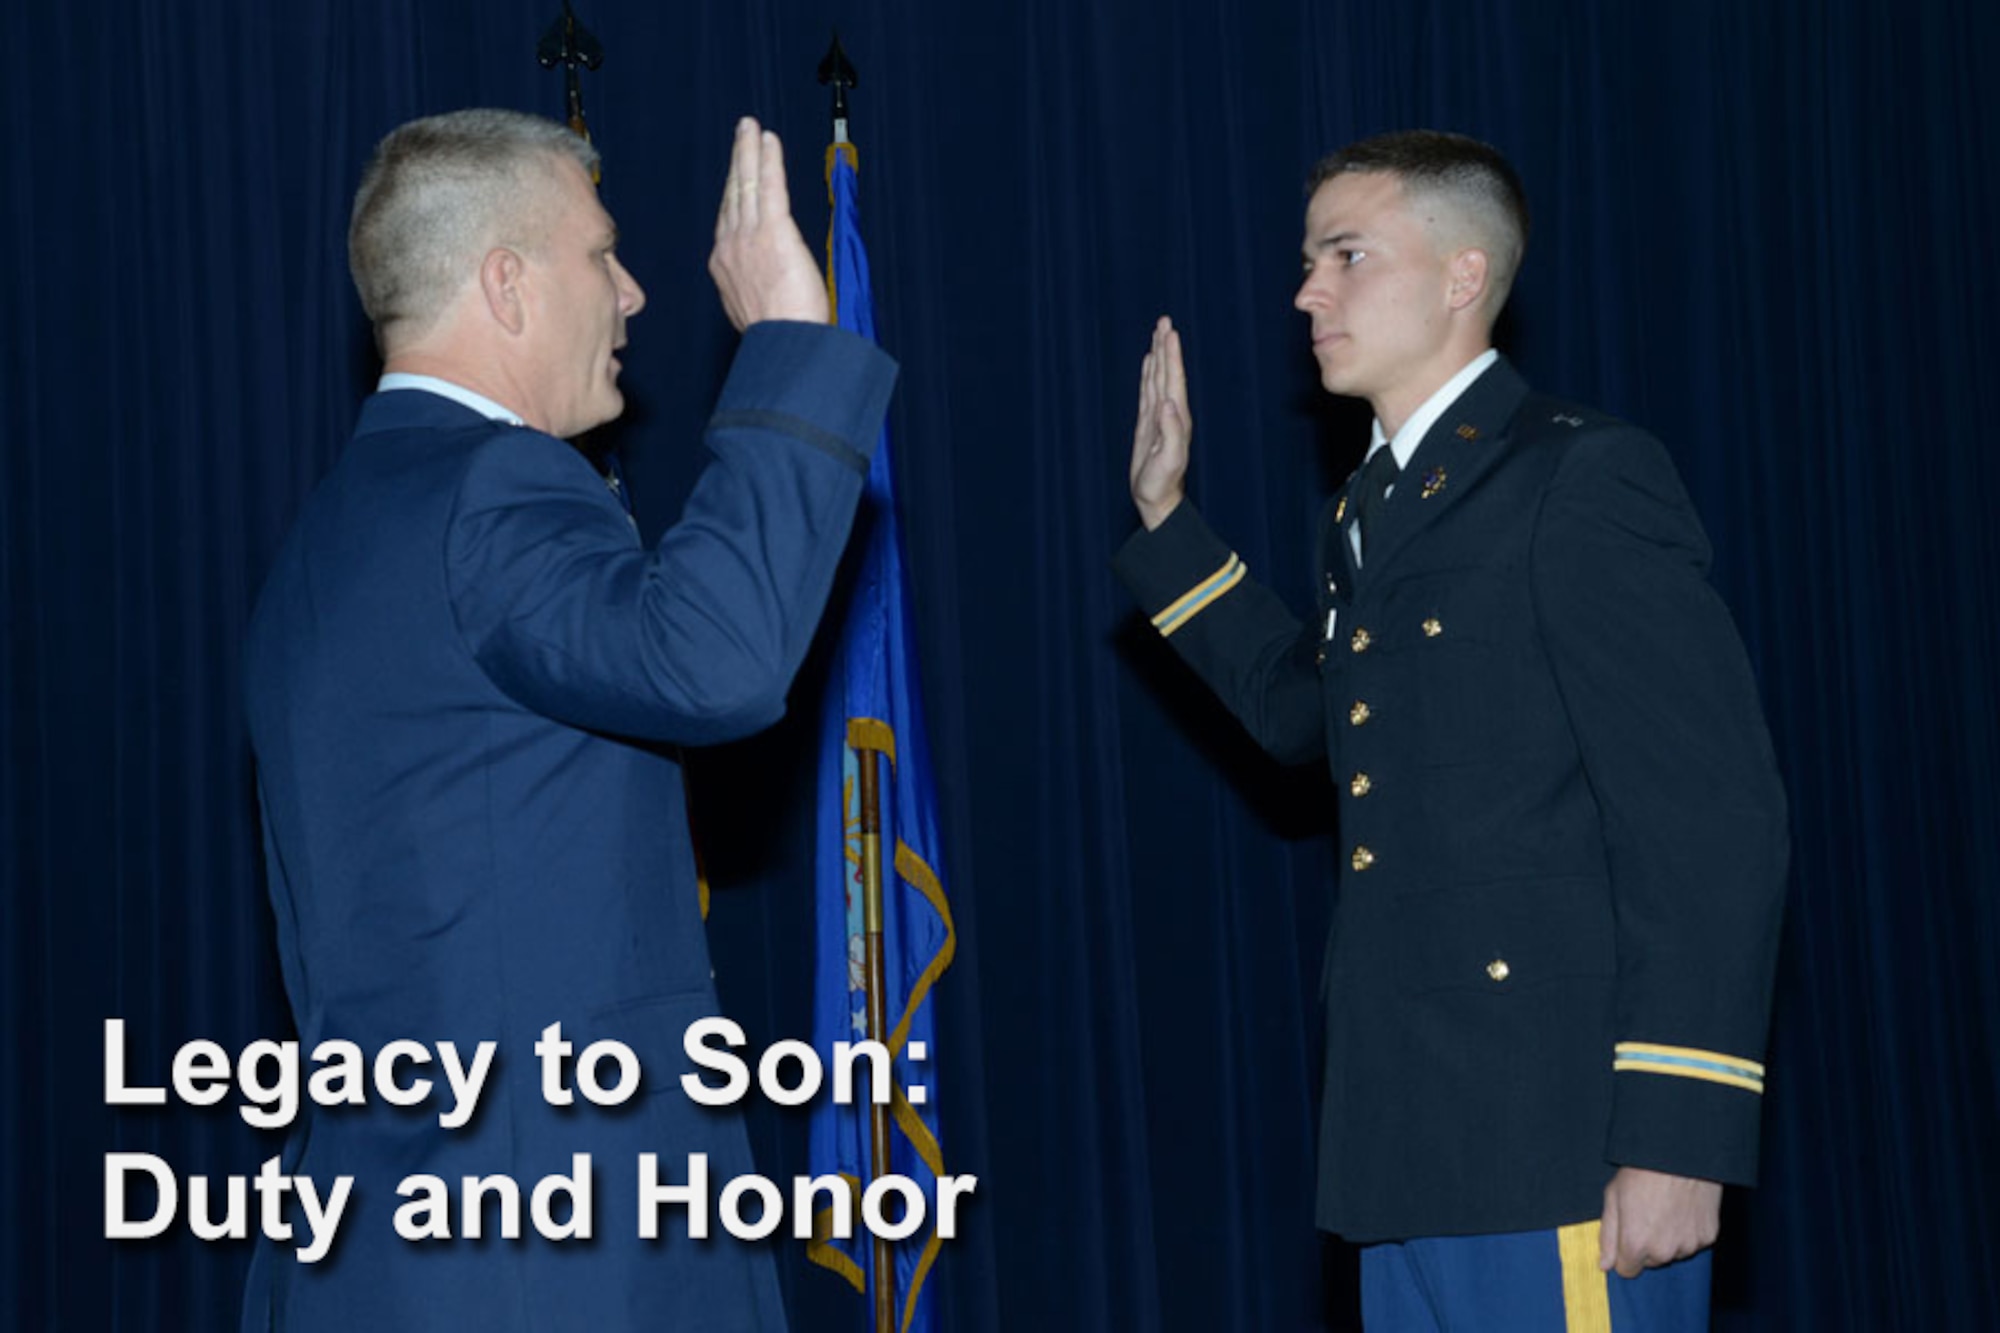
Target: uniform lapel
{"x":1453,"y":455}
{"x":1336,"y":548}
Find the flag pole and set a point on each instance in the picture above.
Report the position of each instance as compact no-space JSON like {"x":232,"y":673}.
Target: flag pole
{"x":868,"y":763}
{"x":571,"y":45}
{"x":838,"y":72}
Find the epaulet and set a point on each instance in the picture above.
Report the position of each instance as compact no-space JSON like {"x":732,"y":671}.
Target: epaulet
{"x":1541,"y":415}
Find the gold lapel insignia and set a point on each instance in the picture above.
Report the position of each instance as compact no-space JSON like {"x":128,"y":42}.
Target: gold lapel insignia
{"x":1433,"y":482}
{"x":1468,"y":432}
{"x":1340,"y":511}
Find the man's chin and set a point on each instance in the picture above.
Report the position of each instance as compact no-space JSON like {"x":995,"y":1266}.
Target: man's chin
{"x":1331,"y":374}
{"x":1342,"y":376}
{"x":603,"y":415}
{"x":612,"y":408}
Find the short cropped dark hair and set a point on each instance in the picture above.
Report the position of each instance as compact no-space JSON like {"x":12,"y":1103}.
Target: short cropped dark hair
{"x":1469,"y":178}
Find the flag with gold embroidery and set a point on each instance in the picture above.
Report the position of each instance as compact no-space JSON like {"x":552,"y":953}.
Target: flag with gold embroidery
{"x":873,"y":707}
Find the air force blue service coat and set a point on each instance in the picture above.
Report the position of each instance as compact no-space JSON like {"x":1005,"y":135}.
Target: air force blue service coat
{"x":1563,"y":837}
{"x":464,"y":677}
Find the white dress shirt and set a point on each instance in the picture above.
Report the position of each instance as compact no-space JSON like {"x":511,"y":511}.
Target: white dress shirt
{"x":458,"y":393}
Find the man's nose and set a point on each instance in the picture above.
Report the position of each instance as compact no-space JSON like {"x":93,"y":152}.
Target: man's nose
{"x":631,"y":296}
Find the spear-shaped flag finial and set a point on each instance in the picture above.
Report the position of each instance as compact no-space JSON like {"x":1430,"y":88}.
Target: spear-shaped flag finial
{"x":571,"y":45}
{"x":838,"y":71}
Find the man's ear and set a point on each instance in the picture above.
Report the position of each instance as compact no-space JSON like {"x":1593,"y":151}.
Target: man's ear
{"x":500,"y":276}
{"x":1468,"y":269}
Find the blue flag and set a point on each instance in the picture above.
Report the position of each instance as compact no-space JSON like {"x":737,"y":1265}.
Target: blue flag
{"x":873,"y":708}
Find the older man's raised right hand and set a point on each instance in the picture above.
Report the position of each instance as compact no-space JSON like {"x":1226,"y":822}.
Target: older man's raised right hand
{"x":760,"y":263}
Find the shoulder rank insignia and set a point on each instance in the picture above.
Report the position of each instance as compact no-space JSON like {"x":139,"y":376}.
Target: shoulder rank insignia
{"x":1340,"y":511}
{"x":1433,"y":482}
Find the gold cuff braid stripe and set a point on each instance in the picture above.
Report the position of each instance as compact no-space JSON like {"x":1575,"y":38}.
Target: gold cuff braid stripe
{"x":1198,"y":598}
{"x":1688,"y":1062}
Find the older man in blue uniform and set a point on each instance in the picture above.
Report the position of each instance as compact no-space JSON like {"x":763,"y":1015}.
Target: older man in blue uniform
{"x":465,"y":680}
{"x":1564,"y":840}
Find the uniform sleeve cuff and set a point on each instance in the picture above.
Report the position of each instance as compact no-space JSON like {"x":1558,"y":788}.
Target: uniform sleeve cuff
{"x":1686,"y":1112}
{"x":824,"y":385}
{"x":1177,"y":570}
{"x":1638,"y":1057}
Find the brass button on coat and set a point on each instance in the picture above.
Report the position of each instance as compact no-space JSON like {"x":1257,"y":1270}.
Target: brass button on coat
{"x":1362,"y":859}
{"x":1360,"y":784}
{"x":1358,"y":714}
{"x":1359,"y":643}
{"x":1433,"y":627}
{"x":1498,"y":969}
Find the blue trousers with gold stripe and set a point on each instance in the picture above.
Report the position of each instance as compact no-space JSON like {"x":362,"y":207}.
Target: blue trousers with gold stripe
{"x":1525,"y":1282}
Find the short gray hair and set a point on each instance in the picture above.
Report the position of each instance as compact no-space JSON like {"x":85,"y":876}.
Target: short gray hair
{"x":1473,"y":180}
{"x":438,"y":193}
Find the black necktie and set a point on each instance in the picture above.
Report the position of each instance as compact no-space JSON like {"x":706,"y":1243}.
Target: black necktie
{"x":1372,"y":491}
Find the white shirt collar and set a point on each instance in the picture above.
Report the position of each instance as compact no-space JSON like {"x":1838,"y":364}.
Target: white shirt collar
{"x":1413,"y":431}
{"x":458,"y":393}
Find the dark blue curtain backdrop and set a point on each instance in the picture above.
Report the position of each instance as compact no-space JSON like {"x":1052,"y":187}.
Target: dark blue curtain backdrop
{"x":1762,"y":231}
